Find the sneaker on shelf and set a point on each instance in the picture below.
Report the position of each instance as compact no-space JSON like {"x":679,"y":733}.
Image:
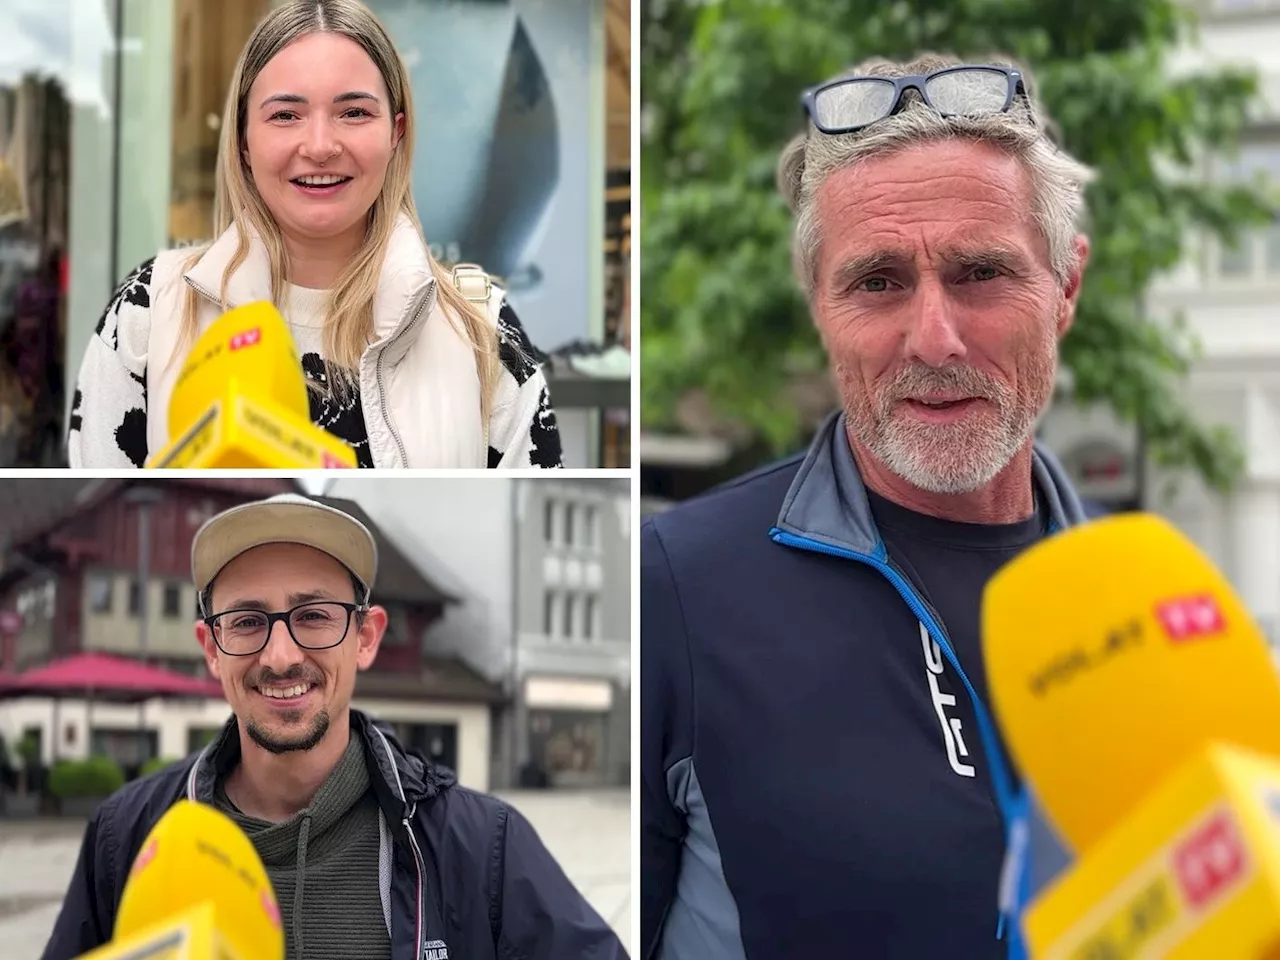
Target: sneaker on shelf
{"x":613,"y":364}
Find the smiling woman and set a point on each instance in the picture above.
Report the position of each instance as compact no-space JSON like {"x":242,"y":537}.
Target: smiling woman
{"x":412,"y":364}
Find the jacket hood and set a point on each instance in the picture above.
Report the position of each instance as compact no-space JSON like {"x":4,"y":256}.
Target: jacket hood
{"x":401,"y":778}
{"x":827,"y":501}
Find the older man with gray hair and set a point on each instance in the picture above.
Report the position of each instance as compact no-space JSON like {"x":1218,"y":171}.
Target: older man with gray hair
{"x":821,"y":773}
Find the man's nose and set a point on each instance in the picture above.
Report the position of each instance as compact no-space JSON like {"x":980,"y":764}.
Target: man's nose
{"x":933,"y":332}
{"x":281,"y":652}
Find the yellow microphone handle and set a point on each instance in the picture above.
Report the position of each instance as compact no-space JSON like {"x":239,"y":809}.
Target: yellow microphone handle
{"x":1191,"y":873}
{"x":190,"y":935}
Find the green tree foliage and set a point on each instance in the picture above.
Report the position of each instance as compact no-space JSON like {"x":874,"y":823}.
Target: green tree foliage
{"x":720,"y":85}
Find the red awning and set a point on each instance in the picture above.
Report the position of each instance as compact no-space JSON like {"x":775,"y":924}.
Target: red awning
{"x":106,"y":676}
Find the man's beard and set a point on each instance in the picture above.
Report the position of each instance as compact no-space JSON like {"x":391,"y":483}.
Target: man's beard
{"x":951,"y":458}
{"x":286,"y":744}
{"x":274,"y":744}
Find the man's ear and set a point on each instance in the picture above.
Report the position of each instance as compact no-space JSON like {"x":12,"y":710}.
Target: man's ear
{"x":369,"y":637}
{"x":1071,"y":289}
{"x":210,"y":648}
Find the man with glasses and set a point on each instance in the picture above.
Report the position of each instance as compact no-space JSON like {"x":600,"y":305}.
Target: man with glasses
{"x":373,"y":852}
{"x":821,"y":775}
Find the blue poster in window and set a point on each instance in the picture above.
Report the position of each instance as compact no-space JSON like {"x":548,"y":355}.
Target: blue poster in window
{"x":502,"y":92}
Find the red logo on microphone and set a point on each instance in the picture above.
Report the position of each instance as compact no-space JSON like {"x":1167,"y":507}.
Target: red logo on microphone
{"x":145,"y":856}
{"x":1188,"y":618}
{"x":271,"y":908}
{"x":246,"y":338}
{"x":1209,"y":860}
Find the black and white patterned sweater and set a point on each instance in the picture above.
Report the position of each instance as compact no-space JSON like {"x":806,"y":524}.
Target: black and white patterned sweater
{"x":108,"y":426}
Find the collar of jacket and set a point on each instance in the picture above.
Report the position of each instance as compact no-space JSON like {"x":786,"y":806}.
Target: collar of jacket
{"x":400,"y":780}
{"x":827,"y":501}
{"x":404,"y":282}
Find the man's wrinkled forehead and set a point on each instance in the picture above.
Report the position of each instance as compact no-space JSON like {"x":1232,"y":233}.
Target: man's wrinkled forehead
{"x":946,"y":203}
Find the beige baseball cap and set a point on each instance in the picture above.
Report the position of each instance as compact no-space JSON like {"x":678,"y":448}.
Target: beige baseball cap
{"x":284,"y":518}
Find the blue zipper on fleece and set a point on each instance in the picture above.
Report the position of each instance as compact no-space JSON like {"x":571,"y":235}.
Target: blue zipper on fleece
{"x":986,"y":729}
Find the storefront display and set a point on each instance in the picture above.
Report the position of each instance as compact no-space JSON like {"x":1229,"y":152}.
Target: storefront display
{"x":33,"y":228}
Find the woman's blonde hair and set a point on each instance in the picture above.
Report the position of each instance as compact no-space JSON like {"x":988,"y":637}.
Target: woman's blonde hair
{"x":349,"y":321}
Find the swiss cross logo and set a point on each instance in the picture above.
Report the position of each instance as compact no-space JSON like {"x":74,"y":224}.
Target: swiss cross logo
{"x":246,"y":338}
{"x":147,"y":854}
{"x":1209,"y":860}
{"x":271,"y":908}
{"x":1187,"y":618}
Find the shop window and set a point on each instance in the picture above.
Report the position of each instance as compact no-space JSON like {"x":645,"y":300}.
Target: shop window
{"x":135,"y":598}
{"x":35,"y":130}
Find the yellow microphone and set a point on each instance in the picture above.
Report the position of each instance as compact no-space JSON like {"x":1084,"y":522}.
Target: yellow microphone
{"x":241,"y":401}
{"x":197,"y":891}
{"x":1141,"y":703}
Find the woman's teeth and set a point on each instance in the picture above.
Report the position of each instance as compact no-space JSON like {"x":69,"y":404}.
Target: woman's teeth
{"x":327,"y":180}
{"x":284,"y":693}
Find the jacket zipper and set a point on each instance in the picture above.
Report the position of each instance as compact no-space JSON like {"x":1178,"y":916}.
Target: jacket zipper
{"x":986,"y":730}
{"x":205,"y":293}
{"x":420,"y":866}
{"x":423,"y":307}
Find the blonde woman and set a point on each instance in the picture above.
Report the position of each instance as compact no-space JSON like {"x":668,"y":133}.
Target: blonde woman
{"x":412,"y":364}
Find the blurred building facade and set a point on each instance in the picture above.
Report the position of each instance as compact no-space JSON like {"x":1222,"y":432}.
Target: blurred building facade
{"x":542,"y":570}
{"x":71,"y":581}
{"x":1230,"y":300}
{"x":109,"y":126}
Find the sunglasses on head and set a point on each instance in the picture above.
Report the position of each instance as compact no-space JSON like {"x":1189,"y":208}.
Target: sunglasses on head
{"x":848,"y":104}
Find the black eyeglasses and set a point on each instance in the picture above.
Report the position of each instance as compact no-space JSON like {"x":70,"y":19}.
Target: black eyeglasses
{"x":313,"y":626}
{"x":848,"y":104}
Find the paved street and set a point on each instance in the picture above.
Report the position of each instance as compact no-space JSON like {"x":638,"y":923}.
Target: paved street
{"x":589,"y":833}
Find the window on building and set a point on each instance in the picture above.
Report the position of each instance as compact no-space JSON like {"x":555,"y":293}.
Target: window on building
{"x":590,"y":628}
{"x":99,"y":594}
{"x":571,"y":614}
{"x":397,"y":633}
{"x":135,"y":598}
{"x":549,"y":521}
{"x":551,"y":606}
{"x":1256,"y":255}
{"x":200,"y":737}
{"x":590,"y":528}
{"x":172,"y":600}
{"x":569,"y":511}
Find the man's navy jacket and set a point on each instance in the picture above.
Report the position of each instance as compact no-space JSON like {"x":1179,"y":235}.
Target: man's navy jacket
{"x":464,"y":876}
{"x":808,"y":751}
